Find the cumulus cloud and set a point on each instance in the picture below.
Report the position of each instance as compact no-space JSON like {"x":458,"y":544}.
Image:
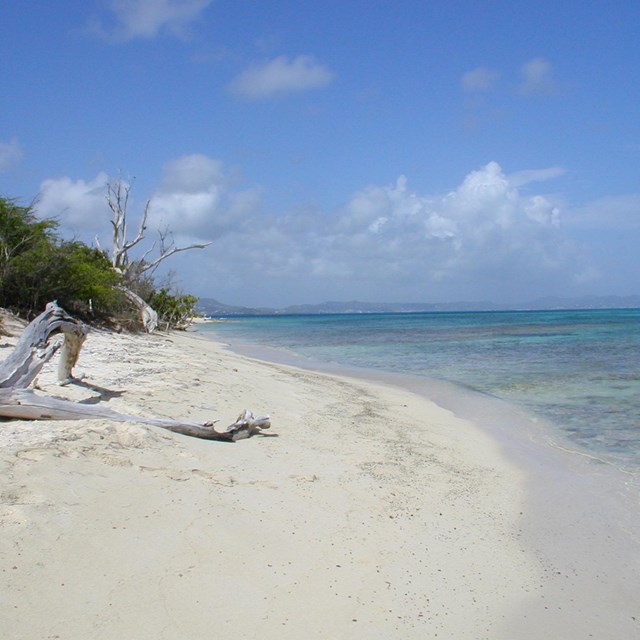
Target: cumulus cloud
{"x":479,"y":80}
{"x":485,"y":221}
{"x":483,"y":239}
{"x":537,"y":77}
{"x":196,"y":199}
{"x":80,"y":206}
{"x":10,"y":154}
{"x":281,"y":76}
{"x":149,"y":18}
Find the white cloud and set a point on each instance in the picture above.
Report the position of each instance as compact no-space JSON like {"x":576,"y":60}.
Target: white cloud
{"x":482,"y":239}
{"x":484,"y":231}
{"x":281,"y":76}
{"x":479,"y":80}
{"x":537,"y":77}
{"x":148,"y":18}
{"x":195,"y":199}
{"x":80,"y":206}
{"x":541,"y":210}
{"x":192,"y":174}
{"x":10,"y":154}
{"x":521,"y":178}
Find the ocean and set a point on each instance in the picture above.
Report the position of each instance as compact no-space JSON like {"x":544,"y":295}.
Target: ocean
{"x":576,"y":371}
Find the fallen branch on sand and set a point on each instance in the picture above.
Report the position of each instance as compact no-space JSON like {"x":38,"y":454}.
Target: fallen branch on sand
{"x":35,"y":348}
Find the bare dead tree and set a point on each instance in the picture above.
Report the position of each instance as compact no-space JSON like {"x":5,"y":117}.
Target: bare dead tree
{"x":118,"y":193}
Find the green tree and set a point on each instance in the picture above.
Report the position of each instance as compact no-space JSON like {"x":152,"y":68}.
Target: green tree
{"x":175,"y":311}
{"x":36,"y":266}
{"x":26,"y":248}
{"x":20,"y":233}
{"x":84,"y":281}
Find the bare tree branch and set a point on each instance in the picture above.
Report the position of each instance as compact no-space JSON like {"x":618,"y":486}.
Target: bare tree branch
{"x":118,"y":193}
{"x":118,"y":201}
{"x":169,"y":252}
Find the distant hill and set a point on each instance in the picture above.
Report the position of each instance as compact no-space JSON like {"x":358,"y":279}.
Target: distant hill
{"x":389,"y":307}
{"x":211,"y":307}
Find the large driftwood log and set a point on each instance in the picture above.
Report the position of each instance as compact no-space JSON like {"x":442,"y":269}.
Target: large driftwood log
{"x":35,"y":348}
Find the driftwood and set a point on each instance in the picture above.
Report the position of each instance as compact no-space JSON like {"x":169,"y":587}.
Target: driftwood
{"x":36,"y":347}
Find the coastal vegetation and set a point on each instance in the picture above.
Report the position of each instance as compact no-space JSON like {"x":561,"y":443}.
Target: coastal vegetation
{"x":37,"y":265}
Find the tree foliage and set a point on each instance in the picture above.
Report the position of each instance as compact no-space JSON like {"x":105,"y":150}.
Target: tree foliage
{"x":175,"y":311}
{"x":36,"y":266}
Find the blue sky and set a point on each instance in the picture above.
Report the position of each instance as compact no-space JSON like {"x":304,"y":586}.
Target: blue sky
{"x":379,"y":150}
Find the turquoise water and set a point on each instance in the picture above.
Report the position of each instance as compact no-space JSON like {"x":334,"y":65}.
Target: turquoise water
{"x":579,"y":370}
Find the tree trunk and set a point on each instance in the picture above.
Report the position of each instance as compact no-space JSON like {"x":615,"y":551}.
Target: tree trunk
{"x":148,"y":315}
{"x":34,"y":349}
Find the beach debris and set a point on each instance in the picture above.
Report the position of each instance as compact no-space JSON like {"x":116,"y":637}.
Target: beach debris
{"x":37,"y":345}
{"x":34,"y":348}
{"x":247,"y":424}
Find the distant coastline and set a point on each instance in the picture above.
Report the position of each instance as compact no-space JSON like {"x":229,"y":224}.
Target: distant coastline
{"x":212,"y":307}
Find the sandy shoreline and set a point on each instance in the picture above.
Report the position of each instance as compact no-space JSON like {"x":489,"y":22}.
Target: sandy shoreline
{"x":374,"y":514}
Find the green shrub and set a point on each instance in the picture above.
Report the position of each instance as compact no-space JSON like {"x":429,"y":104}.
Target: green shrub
{"x":174,"y":311}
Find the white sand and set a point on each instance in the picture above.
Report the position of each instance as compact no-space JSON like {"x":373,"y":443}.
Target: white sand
{"x":374,"y":514}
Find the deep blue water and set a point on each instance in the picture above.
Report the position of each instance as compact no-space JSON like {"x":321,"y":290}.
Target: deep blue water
{"x":579,"y":370}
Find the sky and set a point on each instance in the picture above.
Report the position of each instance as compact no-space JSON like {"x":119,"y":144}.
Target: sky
{"x":372,"y":150}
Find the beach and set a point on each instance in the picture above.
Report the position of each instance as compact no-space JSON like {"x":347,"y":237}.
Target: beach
{"x":367,"y":511}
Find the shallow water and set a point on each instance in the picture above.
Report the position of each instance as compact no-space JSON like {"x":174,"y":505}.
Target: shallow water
{"x":578,"y":370}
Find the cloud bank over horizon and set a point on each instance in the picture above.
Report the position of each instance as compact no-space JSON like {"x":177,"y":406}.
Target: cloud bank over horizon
{"x":385,"y":242}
